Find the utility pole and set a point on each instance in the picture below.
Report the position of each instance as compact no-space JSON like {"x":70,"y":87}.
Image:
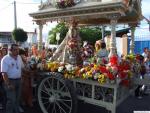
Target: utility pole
{"x":149,"y":23}
{"x":102,"y":30}
{"x":41,"y":2}
{"x":15,"y":15}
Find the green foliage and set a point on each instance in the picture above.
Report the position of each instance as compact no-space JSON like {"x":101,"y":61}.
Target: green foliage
{"x":19,"y":35}
{"x":60,"y":28}
{"x":90,"y":34}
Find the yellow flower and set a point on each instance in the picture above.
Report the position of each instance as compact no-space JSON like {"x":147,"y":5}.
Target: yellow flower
{"x":84,"y":76}
{"x":101,"y":79}
{"x":95,"y":66}
{"x":130,"y":74}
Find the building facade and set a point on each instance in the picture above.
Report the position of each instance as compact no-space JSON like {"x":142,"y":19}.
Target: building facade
{"x":6,"y":38}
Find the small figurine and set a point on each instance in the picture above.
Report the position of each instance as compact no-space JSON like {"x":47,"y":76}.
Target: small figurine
{"x":101,"y":53}
{"x":87,"y":53}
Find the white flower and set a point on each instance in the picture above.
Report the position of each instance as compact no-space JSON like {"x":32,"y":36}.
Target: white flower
{"x":69,"y":67}
{"x":96,"y":76}
{"x":39,"y":66}
{"x":60,"y":69}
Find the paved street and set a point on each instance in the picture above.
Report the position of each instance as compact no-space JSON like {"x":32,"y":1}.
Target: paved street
{"x":128,"y":106}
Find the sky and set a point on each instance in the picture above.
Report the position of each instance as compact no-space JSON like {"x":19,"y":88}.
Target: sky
{"x":143,"y":29}
{"x":24,"y":7}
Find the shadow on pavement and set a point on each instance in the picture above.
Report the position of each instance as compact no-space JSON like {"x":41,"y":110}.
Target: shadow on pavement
{"x":131,"y":104}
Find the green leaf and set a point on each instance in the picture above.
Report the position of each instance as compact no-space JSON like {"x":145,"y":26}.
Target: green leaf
{"x":19,"y":35}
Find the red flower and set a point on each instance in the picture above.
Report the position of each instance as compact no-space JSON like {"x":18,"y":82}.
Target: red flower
{"x":113,"y":60}
{"x":125,"y":83}
{"x":91,"y":65}
{"x":110,"y":76}
{"x":120,"y":68}
{"x":122,"y":75}
{"x":103,"y":69}
{"x":104,"y":61}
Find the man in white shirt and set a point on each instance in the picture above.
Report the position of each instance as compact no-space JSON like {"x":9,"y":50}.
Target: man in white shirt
{"x":11,"y":68}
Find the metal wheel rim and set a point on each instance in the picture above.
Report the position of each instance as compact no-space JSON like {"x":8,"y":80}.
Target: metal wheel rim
{"x":54,"y":99}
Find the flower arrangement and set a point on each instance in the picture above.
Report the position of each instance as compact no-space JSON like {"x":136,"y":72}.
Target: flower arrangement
{"x":135,"y":62}
{"x":65,"y":3}
{"x":68,"y":70}
{"x":113,"y":72}
{"x":53,"y":66}
{"x":101,"y":73}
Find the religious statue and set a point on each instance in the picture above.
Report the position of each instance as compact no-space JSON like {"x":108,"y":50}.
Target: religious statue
{"x":69,"y":50}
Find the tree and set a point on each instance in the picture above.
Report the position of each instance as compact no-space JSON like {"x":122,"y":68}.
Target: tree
{"x":90,"y":34}
{"x":19,"y":35}
{"x":60,"y":28}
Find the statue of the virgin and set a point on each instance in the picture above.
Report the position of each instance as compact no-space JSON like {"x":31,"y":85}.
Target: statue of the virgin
{"x":69,"y":50}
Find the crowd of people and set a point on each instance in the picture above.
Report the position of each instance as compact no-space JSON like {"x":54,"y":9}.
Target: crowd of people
{"x":145,"y":68}
{"x":146,"y":55}
{"x":3,"y":52}
{"x":14,"y":86}
{"x":14,"y":65}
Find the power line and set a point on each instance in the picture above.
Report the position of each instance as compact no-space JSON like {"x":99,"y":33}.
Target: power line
{"x":17,"y":3}
{"x":27,"y":3}
{"x":6,"y":0}
{"x":5,"y":7}
{"x":21,"y":2}
{"x":143,"y":27}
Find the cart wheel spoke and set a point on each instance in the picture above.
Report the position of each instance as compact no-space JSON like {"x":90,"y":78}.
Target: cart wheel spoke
{"x":61,"y":89}
{"x":44,"y":92}
{"x":60,"y":110}
{"x":55,"y":96}
{"x":46,"y":98}
{"x":53,"y":109}
{"x":46,"y":89}
{"x":58,"y":85}
{"x":61,"y":107}
{"x":49,"y":84}
{"x":46,"y":102}
{"x":69,"y":107}
{"x":69,"y":100}
{"x":48,"y":106}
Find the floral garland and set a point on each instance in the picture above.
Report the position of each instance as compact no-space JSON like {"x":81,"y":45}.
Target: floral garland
{"x":65,"y":3}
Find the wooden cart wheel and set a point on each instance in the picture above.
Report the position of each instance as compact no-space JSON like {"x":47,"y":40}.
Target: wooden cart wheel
{"x":56,"y":95}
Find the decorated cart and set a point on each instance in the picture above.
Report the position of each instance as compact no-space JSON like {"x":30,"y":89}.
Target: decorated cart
{"x":65,"y":78}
